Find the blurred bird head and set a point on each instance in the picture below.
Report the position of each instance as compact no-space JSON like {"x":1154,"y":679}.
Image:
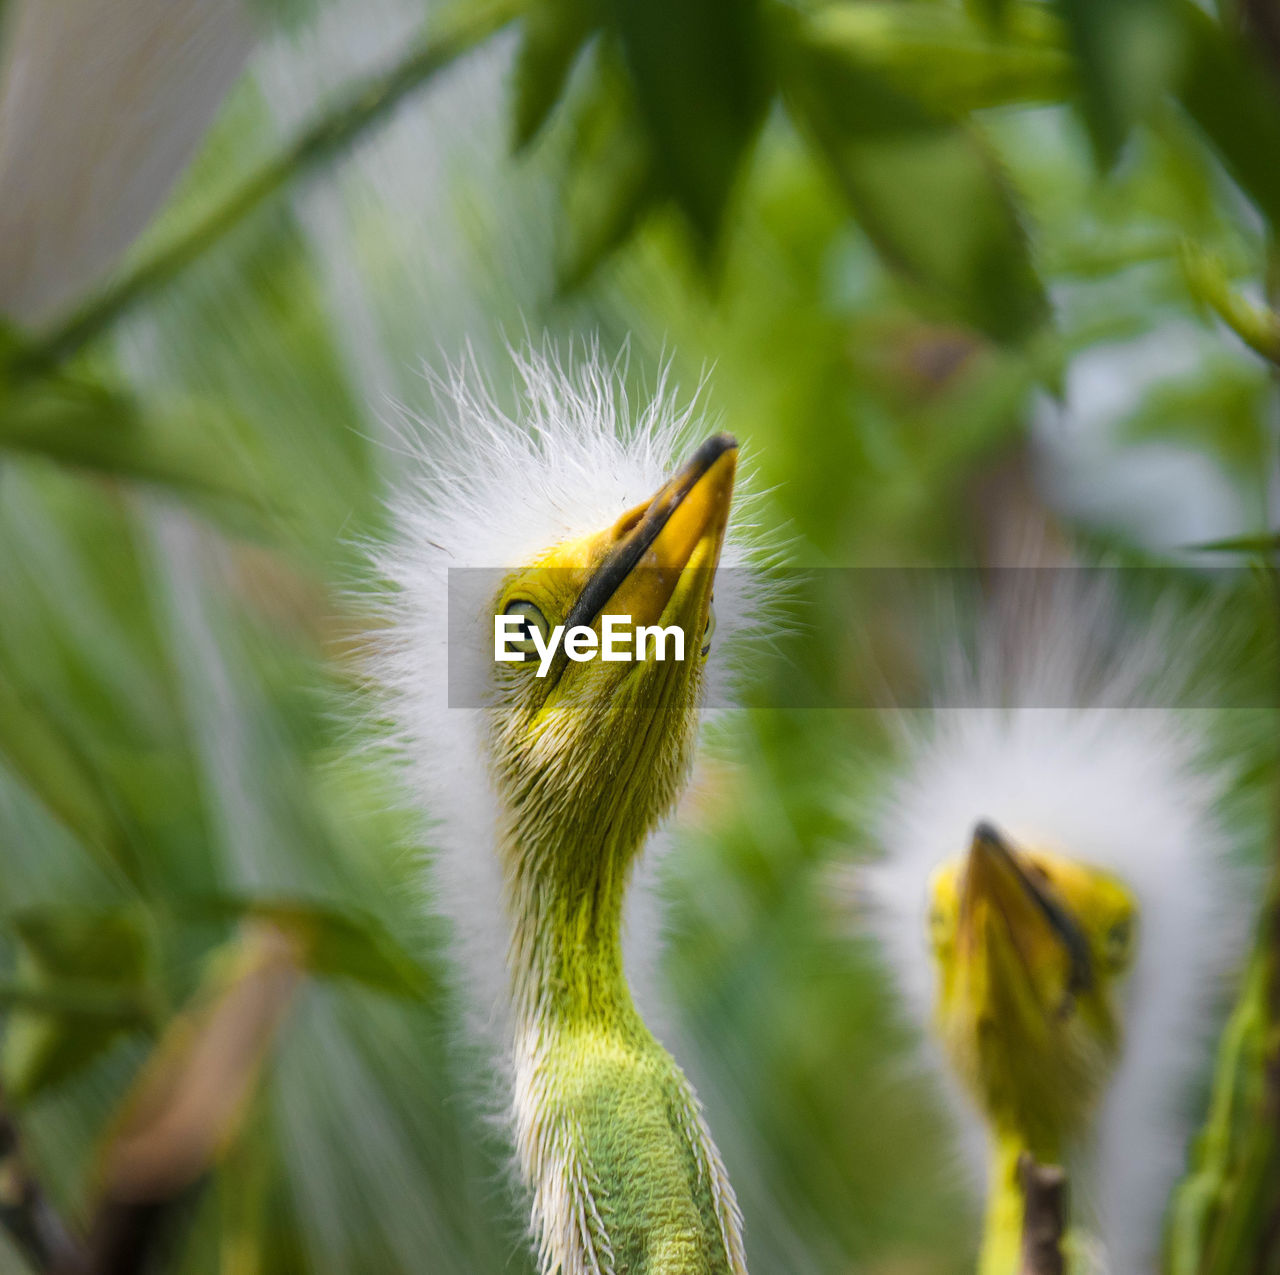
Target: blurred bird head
{"x":1030,"y":949}
{"x":1054,"y":894}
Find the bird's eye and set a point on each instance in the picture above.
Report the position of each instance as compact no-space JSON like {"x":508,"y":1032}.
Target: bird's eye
{"x":532,"y":619}
{"x":709,"y":630}
{"x":1119,"y":943}
{"x":939,"y":928}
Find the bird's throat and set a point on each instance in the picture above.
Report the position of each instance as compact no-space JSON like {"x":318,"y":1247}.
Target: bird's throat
{"x":565,"y":958}
{"x":608,"y":1132}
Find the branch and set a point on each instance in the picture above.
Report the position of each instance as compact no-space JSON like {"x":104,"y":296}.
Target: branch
{"x":1044,"y":1191}
{"x":25,"y":1211}
{"x":1257,"y":326}
{"x":361,"y":107}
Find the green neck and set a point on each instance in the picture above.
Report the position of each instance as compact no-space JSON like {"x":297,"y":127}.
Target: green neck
{"x":1002,"y":1229}
{"x":566,"y":957}
{"x":634,"y":1174}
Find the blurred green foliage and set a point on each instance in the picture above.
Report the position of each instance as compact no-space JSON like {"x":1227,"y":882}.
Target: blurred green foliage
{"x":901,"y":231}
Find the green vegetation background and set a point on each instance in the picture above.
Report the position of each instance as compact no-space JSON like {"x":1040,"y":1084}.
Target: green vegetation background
{"x":892,"y":236}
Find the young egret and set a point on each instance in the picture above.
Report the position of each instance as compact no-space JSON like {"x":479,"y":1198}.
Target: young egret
{"x":1054,"y":899}
{"x":1029,"y":948}
{"x":546,"y":794}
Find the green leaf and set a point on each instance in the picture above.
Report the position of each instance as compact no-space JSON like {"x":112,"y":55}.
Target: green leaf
{"x":95,"y":428}
{"x":81,"y":998}
{"x":698,"y":72}
{"x":1220,"y":1214}
{"x":946,"y":59}
{"x":923,"y":187}
{"x":611,"y":181}
{"x":339,"y":942}
{"x":82,"y":981}
{"x":552,"y":35}
{"x":56,"y":771}
{"x":1129,"y":52}
{"x":1235,"y":104}
{"x":1222,"y":409}
{"x":1264,"y":545}
{"x":991,"y":13}
{"x":77,"y":942}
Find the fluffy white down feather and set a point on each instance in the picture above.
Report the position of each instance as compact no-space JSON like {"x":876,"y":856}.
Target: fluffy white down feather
{"x":1115,"y":777}
{"x":490,"y":489}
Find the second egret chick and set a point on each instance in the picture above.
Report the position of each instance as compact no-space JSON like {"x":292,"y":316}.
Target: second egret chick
{"x":1030,"y":949}
{"x":1055,"y":900}
{"x":545,"y":793}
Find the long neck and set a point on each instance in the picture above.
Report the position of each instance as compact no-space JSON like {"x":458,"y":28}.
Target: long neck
{"x":566,"y":951}
{"x":1002,"y":1229}
{"x":609,"y":1135}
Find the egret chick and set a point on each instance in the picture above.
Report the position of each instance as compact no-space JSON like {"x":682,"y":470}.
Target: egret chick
{"x":1029,"y":948}
{"x":1055,"y":901}
{"x":545,"y":794}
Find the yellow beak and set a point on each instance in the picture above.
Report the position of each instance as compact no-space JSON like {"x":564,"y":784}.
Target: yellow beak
{"x":1011,"y":920}
{"x":669,"y":546}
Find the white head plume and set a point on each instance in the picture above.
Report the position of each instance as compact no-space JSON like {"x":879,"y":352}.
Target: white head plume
{"x":1069,"y":741}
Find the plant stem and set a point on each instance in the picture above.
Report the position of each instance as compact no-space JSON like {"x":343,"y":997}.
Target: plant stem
{"x":1044,"y":1192}
{"x":1257,"y":326}
{"x":470,"y":23}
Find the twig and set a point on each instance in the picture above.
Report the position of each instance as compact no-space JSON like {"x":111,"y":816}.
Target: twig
{"x":1257,"y":326}
{"x":25,"y":1211}
{"x":1044,"y":1192}
{"x":367,"y":103}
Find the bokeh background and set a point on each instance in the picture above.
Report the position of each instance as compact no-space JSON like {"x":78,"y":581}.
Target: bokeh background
{"x":933,"y":262}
